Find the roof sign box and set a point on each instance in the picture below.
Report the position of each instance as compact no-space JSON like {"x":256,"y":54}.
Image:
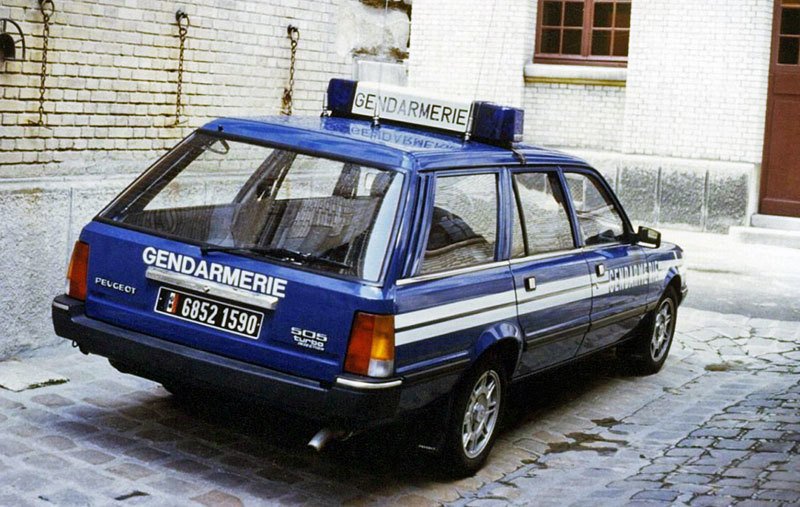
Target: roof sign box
{"x":484,"y":121}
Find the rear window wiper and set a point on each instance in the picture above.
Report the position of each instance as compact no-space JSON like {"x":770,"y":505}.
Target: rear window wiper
{"x":277,"y":253}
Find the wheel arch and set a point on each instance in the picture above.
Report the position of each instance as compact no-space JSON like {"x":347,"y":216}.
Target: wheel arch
{"x":504,"y":340}
{"x":675,"y":282}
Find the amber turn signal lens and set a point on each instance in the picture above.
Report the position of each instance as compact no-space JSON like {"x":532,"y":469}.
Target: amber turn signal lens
{"x":371,"y":348}
{"x":78,"y":271}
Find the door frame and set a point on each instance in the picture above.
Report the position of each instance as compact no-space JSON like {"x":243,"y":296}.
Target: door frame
{"x":768,"y":134}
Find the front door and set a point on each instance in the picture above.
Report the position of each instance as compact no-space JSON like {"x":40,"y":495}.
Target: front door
{"x":780,"y":179}
{"x":618,"y":268}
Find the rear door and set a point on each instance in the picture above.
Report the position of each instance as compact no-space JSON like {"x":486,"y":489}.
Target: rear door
{"x":619,"y":268}
{"x":456,"y":291}
{"x":551,"y":277}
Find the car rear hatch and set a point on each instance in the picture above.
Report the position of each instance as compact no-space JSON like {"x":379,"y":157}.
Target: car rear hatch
{"x":256,"y":253}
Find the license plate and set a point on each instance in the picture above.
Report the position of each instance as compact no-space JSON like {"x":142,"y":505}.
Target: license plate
{"x":209,"y":312}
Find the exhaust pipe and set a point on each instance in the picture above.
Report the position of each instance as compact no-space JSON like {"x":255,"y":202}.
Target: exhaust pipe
{"x":323,"y":437}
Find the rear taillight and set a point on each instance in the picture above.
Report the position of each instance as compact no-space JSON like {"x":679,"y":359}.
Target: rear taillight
{"x":371,"y":348}
{"x":78,"y":270}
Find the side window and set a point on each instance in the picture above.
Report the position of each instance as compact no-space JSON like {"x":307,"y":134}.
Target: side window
{"x":464,"y":224}
{"x":598,"y":218}
{"x":545,"y":225}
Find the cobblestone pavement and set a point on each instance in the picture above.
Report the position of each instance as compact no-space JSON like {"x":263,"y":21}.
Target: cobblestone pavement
{"x":719,"y":425}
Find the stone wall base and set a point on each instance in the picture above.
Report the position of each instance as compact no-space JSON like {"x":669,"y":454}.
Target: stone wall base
{"x":702,"y":195}
{"x":41,"y":220}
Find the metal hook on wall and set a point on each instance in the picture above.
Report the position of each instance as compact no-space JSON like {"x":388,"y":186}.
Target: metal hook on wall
{"x":294,"y":37}
{"x":182,"y":19}
{"x":47,"y":8}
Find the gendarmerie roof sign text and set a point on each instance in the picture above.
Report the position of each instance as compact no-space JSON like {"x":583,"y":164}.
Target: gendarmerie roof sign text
{"x":395,"y":103}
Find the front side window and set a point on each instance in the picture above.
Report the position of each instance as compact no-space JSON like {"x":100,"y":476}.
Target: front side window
{"x":463,"y":230}
{"x":328,"y":215}
{"x":598,"y":218}
{"x":544,"y":224}
{"x":583,"y":31}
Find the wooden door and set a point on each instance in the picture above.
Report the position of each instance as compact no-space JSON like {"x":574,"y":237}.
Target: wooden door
{"x":780,"y":178}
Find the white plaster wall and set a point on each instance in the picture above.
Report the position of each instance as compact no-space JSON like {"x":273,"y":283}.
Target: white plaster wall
{"x":471,"y":48}
{"x":575,"y":116}
{"x":697,"y":79}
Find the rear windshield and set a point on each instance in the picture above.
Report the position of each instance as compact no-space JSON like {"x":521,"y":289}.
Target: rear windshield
{"x":226,"y":195}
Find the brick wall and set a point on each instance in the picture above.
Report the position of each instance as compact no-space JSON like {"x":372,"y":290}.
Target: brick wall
{"x":112,"y":77}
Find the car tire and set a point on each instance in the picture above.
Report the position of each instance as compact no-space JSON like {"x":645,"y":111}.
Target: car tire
{"x":475,"y":417}
{"x":647,"y":352}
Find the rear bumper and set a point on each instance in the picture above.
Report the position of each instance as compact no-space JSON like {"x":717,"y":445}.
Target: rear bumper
{"x":351,"y":402}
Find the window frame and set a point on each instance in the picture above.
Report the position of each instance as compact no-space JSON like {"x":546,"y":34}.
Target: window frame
{"x":517,"y":212}
{"x":629,"y":236}
{"x":585,"y":58}
{"x":424,"y":226}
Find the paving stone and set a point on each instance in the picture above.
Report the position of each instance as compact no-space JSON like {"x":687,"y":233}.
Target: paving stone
{"x":57,"y":442}
{"x":662,"y":495}
{"x":216,"y":498}
{"x":173,"y":486}
{"x":147,"y":454}
{"x":10,"y":447}
{"x":92,"y":457}
{"x":735,"y":444}
{"x":187,"y":466}
{"x":130,"y":471}
{"x":67,"y":498}
{"x":45,"y":461}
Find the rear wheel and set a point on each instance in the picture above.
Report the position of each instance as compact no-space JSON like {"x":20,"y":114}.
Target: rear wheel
{"x":475,"y":417}
{"x":648,"y":351}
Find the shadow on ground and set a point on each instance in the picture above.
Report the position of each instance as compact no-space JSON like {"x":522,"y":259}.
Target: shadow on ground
{"x":255,"y":444}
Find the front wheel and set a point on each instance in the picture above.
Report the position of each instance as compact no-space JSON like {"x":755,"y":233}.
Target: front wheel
{"x":648,"y":351}
{"x":475,"y":417}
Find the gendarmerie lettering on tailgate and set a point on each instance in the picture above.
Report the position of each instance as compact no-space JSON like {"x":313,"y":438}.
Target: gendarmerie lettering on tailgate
{"x":235,"y":277}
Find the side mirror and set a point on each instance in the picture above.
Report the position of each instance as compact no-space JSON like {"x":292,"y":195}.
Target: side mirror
{"x":648,"y":236}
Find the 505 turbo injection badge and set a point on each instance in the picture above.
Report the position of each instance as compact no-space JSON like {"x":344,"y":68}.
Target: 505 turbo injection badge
{"x":235,"y":277}
{"x":309,"y":339}
{"x":355,"y":275}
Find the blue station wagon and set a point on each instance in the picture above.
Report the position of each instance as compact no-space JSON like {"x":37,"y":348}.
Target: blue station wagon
{"x":398,"y":253}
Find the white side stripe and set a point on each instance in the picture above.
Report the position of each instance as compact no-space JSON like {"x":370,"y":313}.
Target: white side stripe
{"x":452,"y":310}
{"x":450,"y":326}
{"x":561,"y":298}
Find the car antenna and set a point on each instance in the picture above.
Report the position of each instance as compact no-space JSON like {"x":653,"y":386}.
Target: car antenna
{"x":376,"y":117}
{"x":521,"y":156}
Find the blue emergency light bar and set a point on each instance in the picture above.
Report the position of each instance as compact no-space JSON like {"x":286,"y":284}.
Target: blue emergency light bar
{"x":483,"y":121}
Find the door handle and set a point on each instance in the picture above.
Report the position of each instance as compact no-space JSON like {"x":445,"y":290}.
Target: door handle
{"x":530,"y":283}
{"x":600,"y":269}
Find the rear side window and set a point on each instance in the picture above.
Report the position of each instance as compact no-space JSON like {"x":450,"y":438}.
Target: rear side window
{"x":544,"y":225}
{"x":598,"y":218}
{"x":463,"y":229}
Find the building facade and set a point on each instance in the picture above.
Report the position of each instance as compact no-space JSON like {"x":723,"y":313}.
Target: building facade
{"x":668,"y":97}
